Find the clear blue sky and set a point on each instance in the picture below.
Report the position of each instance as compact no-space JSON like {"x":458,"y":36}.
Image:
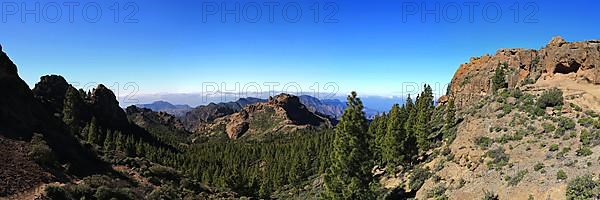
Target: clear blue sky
{"x":371,"y":48}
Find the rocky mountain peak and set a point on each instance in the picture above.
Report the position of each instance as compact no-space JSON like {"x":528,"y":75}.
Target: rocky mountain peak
{"x":557,"y":41}
{"x":107,"y":109}
{"x":51,"y":91}
{"x":6,"y":65}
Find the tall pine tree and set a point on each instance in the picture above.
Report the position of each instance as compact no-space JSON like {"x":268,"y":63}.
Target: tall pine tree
{"x":72,"y":109}
{"x":393,"y":142}
{"x":422,"y":124}
{"x":93,"y":132}
{"x":349,"y":176}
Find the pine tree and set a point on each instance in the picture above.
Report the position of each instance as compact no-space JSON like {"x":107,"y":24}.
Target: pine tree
{"x":375,"y":143}
{"x":109,"y":141}
{"x":72,"y":109}
{"x":450,"y":114}
{"x":349,"y":176}
{"x":380,"y":135}
{"x":450,"y":121}
{"x":499,"y":79}
{"x":393,"y":144}
{"x":92,"y":135}
{"x":423,"y":118}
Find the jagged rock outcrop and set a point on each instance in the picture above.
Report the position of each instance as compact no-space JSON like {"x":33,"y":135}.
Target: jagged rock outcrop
{"x":51,"y":92}
{"x":145,"y":117}
{"x":472,"y":80}
{"x":201,"y":115}
{"x":106,"y":108}
{"x":283,"y":113}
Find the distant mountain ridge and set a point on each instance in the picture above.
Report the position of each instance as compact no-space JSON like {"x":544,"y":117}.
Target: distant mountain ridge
{"x":163,"y":106}
{"x":283,"y":113}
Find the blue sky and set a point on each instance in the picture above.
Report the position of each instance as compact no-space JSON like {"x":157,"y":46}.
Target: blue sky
{"x":367,"y":45}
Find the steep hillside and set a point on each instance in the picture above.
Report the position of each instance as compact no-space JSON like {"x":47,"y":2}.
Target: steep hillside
{"x":32,"y":161}
{"x":160,"y":124}
{"x":533,"y":138}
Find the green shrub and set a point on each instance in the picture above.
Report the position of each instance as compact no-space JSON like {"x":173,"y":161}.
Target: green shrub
{"x":548,"y":127}
{"x":566,"y":123}
{"x":164,"y":172}
{"x":80,"y":191}
{"x":483,"y":142}
{"x":586,"y":122}
{"x":437,"y":192}
{"x":106,"y":193}
{"x":517,"y":178}
{"x":561,"y":175}
{"x":553,"y":147}
{"x":591,"y":113}
{"x":56,"y":192}
{"x":584,"y":151}
{"x":41,"y":153}
{"x":575,"y":107}
{"x":583,"y":187}
{"x":499,"y":158}
{"x":419,"y":177}
{"x":538,"y":166}
{"x":550,"y":98}
{"x":490,"y":196}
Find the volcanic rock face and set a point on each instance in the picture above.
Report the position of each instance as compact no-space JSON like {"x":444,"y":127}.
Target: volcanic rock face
{"x":282,"y":113}
{"x":472,"y":80}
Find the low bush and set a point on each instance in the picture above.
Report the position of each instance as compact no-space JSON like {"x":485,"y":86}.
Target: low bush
{"x":517,"y":178}
{"x":483,"y":142}
{"x":419,"y":177}
{"x":548,"y":127}
{"x":56,"y":192}
{"x":553,"y":147}
{"x":584,"y":151}
{"x":498,"y":160}
{"x":566,"y":123}
{"x":538,"y":166}
{"x":550,"y":98}
{"x":583,"y":187}
{"x":490,"y":196}
{"x":561,"y":175}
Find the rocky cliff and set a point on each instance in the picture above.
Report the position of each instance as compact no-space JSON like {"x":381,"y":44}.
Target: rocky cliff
{"x":472,"y":80}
